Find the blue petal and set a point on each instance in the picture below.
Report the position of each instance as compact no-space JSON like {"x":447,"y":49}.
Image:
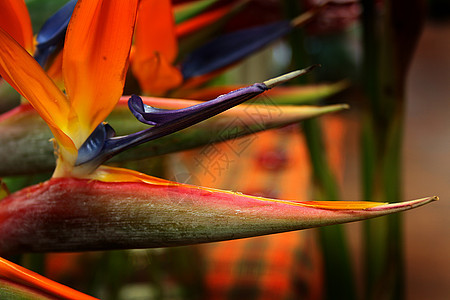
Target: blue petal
{"x":102,"y":143}
{"x":53,"y":32}
{"x":193,"y":114}
{"x":42,"y":54}
{"x":100,"y":146}
{"x":170,"y":121}
{"x":230,"y":48}
{"x":148,"y":114}
{"x":94,"y":144}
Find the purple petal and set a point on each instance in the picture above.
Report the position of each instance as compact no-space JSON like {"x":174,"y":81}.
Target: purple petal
{"x":170,"y":121}
{"x":101,"y":146}
{"x":156,"y":116}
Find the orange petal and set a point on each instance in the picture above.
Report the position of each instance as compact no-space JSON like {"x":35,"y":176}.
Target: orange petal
{"x":155,"y":48}
{"x":337,"y":205}
{"x":155,"y":31}
{"x":15,"y":20}
{"x":24,"y":74}
{"x":95,"y":59}
{"x":111,"y":174}
{"x":156,"y":75}
{"x":55,"y":70}
{"x":19,"y":275}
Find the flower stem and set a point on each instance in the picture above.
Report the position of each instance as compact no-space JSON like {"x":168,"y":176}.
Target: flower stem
{"x":388,"y":43}
{"x":339,"y":277}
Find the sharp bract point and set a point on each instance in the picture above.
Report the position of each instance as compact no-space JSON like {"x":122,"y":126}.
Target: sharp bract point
{"x":405,"y":205}
{"x":286,"y":77}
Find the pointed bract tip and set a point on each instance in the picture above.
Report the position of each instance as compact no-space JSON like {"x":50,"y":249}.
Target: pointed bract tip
{"x":335,"y":107}
{"x":400,"y":206}
{"x":286,"y":77}
{"x":434,"y":198}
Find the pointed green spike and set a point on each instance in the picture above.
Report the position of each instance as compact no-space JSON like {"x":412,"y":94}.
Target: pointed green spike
{"x":289,"y":76}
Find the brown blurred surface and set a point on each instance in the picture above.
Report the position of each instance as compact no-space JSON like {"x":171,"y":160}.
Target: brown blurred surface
{"x":426,"y":165}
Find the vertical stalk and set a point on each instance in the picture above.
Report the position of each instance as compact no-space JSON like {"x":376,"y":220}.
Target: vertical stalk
{"x":389,"y":37}
{"x":339,"y":277}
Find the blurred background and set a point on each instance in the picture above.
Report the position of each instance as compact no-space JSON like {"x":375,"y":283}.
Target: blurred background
{"x":426,"y":157}
{"x":426,"y":150}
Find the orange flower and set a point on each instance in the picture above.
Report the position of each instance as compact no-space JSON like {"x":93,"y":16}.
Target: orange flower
{"x":129,"y":209}
{"x":94,"y":67}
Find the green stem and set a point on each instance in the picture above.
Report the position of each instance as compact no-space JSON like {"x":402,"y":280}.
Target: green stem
{"x":388,"y":43}
{"x":339,"y":277}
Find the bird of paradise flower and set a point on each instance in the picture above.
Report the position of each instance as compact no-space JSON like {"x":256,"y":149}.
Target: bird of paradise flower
{"x":88,"y":206}
{"x":151,"y":212}
{"x":23,"y":125}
